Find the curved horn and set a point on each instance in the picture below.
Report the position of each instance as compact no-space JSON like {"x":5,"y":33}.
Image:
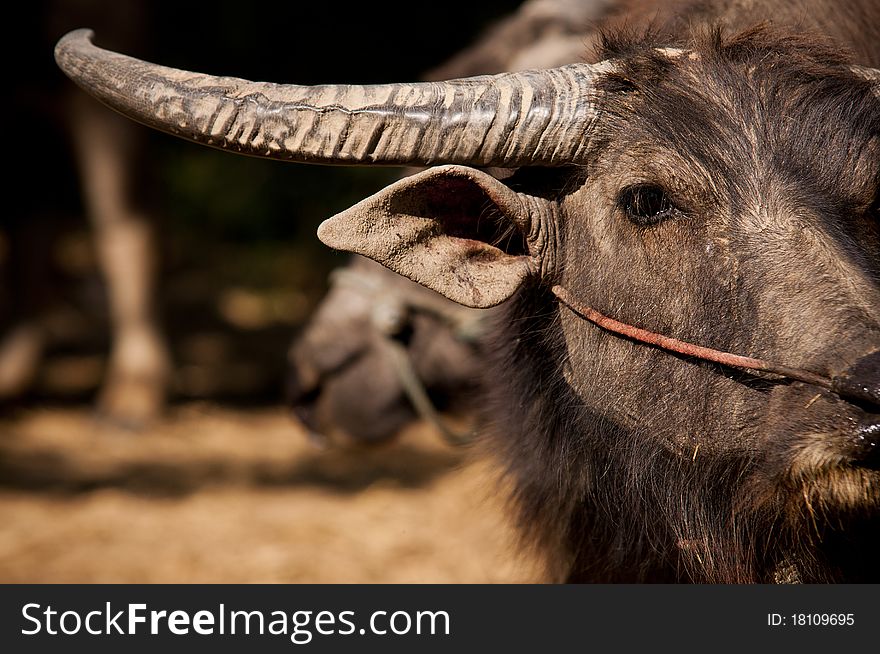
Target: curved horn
{"x":527,"y":118}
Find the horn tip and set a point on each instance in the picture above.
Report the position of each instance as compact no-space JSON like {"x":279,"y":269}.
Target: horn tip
{"x":71,"y":42}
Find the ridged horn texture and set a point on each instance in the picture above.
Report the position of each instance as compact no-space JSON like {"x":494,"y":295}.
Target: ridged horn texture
{"x":528,"y":118}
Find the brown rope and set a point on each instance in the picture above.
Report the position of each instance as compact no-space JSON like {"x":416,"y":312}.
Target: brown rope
{"x":685,"y":348}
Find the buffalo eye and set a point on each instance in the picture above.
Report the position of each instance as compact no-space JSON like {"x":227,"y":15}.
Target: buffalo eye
{"x":645,"y":204}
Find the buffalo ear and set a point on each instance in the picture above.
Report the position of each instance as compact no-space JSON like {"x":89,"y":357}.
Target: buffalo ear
{"x":443,"y":228}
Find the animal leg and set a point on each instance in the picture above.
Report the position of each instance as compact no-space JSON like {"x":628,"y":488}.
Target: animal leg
{"x":135,"y":383}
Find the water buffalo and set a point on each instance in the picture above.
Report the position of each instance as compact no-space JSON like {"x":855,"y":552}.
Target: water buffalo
{"x":709,"y":181}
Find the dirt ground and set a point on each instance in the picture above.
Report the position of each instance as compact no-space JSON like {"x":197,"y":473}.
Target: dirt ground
{"x":226,"y":495}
